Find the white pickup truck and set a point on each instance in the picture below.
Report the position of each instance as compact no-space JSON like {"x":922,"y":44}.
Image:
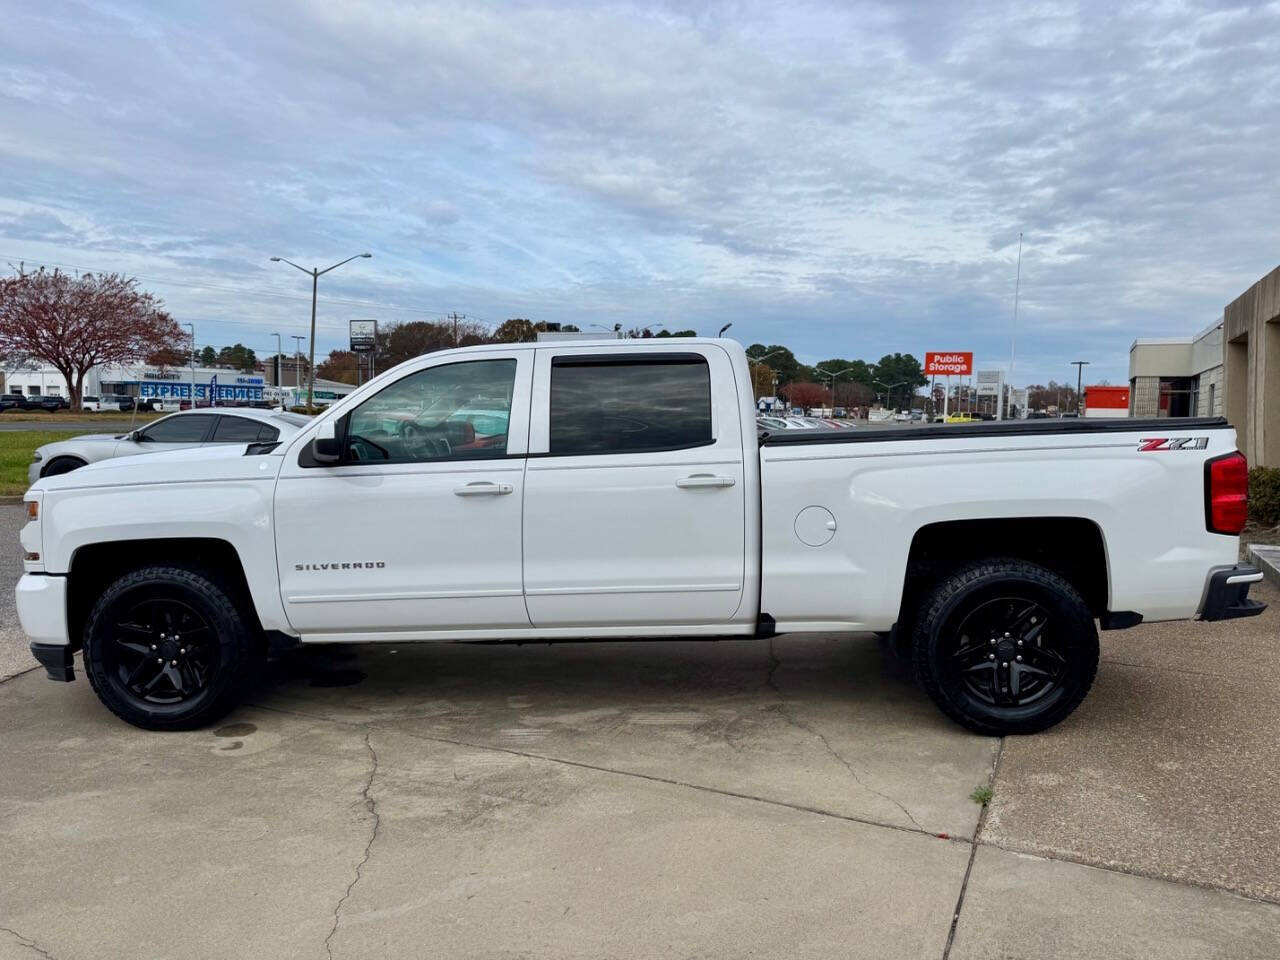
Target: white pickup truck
{"x":558,"y":491}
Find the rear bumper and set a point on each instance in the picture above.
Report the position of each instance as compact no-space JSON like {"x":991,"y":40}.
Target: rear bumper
{"x":1227,"y":594}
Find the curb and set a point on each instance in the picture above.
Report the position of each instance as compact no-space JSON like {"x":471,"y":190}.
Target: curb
{"x":1267,"y":559}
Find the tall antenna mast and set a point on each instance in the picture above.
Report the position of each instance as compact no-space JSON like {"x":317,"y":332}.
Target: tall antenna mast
{"x":1017,"y":288}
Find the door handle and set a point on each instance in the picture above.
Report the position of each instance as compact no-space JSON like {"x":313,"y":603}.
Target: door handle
{"x":705,"y":480}
{"x":483,"y":488}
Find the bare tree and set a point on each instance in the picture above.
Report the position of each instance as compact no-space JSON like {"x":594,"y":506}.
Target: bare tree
{"x":75,"y":323}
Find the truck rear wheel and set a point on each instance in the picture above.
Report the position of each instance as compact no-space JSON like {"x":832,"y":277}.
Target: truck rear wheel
{"x":167,"y":648}
{"x":1005,"y":647}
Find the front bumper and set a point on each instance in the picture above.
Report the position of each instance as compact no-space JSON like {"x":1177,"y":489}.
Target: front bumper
{"x":57,"y":660}
{"x":1227,"y":594}
{"x":42,"y":608}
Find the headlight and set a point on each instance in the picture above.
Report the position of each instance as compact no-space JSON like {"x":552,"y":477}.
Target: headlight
{"x":37,"y":457}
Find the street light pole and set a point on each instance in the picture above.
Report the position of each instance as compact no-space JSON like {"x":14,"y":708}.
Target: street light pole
{"x":193,"y":365}
{"x":839,"y":373}
{"x":888,"y":389}
{"x":1079,"y":365}
{"x":315,"y":275}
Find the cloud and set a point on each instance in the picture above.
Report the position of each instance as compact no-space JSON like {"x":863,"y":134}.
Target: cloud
{"x":848,"y":178}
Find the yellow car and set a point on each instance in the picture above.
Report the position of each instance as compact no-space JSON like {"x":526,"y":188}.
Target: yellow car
{"x":963,"y":418}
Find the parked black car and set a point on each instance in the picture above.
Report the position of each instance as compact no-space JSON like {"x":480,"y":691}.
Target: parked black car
{"x":49,"y":403}
{"x":11,"y":401}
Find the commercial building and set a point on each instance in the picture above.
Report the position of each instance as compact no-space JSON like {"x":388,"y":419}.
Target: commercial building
{"x":1177,"y":377}
{"x":1231,"y":369}
{"x":143,"y":380}
{"x":1252,"y":369}
{"x":224,"y":386}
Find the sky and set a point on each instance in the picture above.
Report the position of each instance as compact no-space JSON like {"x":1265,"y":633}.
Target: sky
{"x":847,"y":179}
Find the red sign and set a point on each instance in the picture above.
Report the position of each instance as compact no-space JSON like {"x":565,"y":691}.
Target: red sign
{"x":948,"y":363}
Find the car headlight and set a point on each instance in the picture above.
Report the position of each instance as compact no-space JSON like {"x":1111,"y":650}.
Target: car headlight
{"x":37,"y":457}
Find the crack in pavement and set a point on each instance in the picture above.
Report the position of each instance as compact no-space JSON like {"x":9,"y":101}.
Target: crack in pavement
{"x":28,"y":943}
{"x":973,"y":855}
{"x":774,"y":663}
{"x":371,"y":805}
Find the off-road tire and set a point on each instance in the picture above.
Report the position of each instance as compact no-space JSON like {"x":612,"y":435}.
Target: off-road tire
{"x":235,"y":646}
{"x":958,"y":594}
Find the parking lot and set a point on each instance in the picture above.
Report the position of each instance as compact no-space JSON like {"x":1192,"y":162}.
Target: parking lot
{"x":793,"y":798}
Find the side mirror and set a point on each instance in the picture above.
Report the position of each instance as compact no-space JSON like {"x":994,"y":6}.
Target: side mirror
{"x":325,"y":447}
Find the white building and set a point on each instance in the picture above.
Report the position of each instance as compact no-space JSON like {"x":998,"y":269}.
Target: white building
{"x":143,"y":380}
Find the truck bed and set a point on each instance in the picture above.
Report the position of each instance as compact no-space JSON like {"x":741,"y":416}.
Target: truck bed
{"x":999,"y":428}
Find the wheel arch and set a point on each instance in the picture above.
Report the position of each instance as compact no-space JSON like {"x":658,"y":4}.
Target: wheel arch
{"x":61,"y":457}
{"x":1073,"y":547}
{"x":95,"y":565}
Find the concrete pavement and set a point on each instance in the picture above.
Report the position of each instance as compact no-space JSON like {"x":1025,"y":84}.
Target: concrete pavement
{"x":650,"y":799}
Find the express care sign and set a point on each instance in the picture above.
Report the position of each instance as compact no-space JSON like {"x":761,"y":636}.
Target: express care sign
{"x":951,"y":363}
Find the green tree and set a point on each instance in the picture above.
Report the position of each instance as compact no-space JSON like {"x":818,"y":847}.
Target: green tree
{"x":341,"y":366}
{"x":516,"y":330}
{"x":677,"y":333}
{"x":208,"y":357}
{"x":237,"y":357}
{"x":780,"y":360}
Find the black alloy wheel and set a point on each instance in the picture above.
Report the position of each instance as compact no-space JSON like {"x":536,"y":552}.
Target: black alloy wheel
{"x":161,"y":651}
{"x":170,"y":648}
{"x":1005,"y":646}
{"x":1007,"y":655}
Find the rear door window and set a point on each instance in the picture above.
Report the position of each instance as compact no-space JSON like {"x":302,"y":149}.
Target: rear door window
{"x":603,"y":405}
{"x":242,"y":430}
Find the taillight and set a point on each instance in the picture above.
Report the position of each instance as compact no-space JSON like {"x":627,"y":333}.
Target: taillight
{"x":1226,"y":493}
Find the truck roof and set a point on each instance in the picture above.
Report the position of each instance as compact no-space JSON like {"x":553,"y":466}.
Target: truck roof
{"x":630,"y":345}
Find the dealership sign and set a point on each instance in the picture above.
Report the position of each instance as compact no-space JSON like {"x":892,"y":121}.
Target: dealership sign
{"x":364,"y":335}
{"x":989,"y":382}
{"x":948,"y":363}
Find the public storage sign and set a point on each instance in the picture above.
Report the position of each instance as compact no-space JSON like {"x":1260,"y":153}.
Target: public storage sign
{"x":948,"y":363}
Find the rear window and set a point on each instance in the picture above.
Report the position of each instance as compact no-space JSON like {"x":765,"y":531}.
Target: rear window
{"x":180,"y":428}
{"x":243,"y":430}
{"x":626,"y":404}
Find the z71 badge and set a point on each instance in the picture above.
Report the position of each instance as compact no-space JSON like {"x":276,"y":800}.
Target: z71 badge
{"x":1154,"y":444}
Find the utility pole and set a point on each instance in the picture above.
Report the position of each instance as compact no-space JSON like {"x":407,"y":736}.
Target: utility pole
{"x":193,"y":367}
{"x":455,"y":318}
{"x":297,"y":363}
{"x":1079,"y":365}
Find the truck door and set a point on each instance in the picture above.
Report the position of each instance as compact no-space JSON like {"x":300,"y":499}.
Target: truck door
{"x":417,"y":528}
{"x":634,"y":491}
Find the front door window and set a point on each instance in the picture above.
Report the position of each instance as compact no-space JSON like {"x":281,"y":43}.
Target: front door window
{"x":457,"y":411}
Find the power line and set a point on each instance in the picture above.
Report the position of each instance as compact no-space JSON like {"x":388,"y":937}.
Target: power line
{"x":248,"y":291}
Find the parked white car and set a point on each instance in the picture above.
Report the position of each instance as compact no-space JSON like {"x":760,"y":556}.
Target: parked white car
{"x":630,"y":495}
{"x":189,"y":429}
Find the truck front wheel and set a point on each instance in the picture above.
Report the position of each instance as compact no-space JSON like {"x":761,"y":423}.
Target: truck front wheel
{"x":1005,"y":646}
{"x":167,"y":648}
